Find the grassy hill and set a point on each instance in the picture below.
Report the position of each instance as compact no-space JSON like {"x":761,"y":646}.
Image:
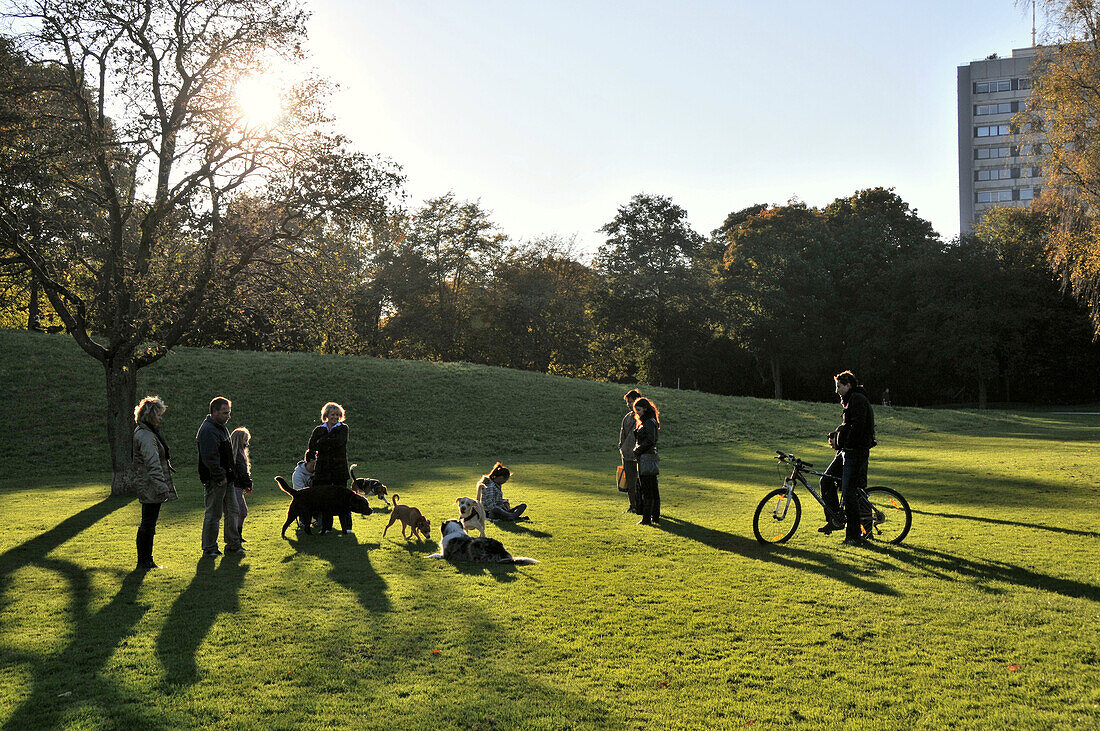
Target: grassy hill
{"x":53,"y":406}
{"x":985,"y":617}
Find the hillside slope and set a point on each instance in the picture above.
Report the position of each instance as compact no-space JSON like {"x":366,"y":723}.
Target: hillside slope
{"x":53,"y":402}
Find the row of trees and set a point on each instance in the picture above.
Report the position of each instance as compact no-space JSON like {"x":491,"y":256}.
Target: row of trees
{"x":141,"y":208}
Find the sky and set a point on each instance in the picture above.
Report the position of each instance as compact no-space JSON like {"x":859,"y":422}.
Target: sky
{"x":554,"y":114}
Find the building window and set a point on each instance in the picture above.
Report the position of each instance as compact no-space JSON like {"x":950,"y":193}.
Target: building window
{"x":993,"y":130}
{"x":1027,"y":194}
{"x":992,"y":153}
{"x":994,"y":196}
{"x":988,"y":87}
{"x":1025,"y":83}
{"x":995,"y":174}
{"x":1001,"y":108}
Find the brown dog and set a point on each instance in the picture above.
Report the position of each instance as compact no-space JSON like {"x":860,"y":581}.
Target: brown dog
{"x":409,"y":516}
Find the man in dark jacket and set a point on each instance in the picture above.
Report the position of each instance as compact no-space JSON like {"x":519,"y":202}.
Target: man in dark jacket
{"x":216,"y":473}
{"x":853,"y":440}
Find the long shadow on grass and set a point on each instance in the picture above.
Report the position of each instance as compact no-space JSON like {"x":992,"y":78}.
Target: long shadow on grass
{"x":998,"y":521}
{"x":94,"y":636}
{"x":213,"y":591}
{"x":521,"y":529}
{"x":73,"y":677}
{"x":795,"y":558}
{"x":351,"y":566}
{"x":944,"y":565}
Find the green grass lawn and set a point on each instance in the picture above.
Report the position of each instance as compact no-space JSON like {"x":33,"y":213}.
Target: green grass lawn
{"x":987,"y":616}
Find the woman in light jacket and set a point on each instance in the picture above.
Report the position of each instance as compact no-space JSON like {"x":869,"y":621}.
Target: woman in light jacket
{"x":152,"y":469}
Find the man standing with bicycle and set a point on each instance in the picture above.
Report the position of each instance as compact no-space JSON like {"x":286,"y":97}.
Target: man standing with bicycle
{"x":852,"y":441}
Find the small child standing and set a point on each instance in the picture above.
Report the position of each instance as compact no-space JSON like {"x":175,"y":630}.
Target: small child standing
{"x":242,"y":472}
{"x":491,"y":497}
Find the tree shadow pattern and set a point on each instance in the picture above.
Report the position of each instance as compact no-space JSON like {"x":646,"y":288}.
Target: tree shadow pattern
{"x":72,"y":679}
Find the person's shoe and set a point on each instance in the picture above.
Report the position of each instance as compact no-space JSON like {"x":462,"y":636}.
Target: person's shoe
{"x":827,"y":528}
{"x":148,"y":563}
{"x":518,"y":510}
{"x":238,"y":549}
{"x":211,"y":552}
{"x":853,"y":542}
{"x":643,"y":521}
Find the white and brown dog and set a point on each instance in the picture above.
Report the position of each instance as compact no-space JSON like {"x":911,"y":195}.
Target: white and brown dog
{"x":471,"y":515}
{"x":457,"y":546}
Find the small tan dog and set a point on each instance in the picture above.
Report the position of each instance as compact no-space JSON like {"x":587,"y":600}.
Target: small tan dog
{"x":409,"y":516}
{"x":471,"y":514}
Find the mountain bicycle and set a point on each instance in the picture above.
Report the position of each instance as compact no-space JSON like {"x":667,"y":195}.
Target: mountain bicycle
{"x":885,"y":513}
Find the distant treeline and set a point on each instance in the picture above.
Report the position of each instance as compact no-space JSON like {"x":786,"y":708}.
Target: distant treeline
{"x":773,"y":302}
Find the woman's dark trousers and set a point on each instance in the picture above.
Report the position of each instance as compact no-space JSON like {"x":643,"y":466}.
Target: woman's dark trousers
{"x":649,"y":498}
{"x":145,"y":532}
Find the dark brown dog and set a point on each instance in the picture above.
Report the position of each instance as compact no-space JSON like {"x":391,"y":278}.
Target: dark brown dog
{"x":323,"y":500}
{"x":409,"y":516}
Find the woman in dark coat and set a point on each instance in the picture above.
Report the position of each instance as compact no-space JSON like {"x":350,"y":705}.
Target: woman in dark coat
{"x":151,"y":462}
{"x":329,"y":444}
{"x":647,"y":427}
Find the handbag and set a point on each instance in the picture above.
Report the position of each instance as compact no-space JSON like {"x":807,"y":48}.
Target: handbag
{"x":649,"y":464}
{"x":620,"y":479}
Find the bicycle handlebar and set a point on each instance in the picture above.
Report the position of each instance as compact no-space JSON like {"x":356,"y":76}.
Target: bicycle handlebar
{"x":785,"y":457}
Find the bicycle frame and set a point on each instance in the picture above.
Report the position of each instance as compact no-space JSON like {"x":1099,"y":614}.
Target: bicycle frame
{"x":798,"y":474}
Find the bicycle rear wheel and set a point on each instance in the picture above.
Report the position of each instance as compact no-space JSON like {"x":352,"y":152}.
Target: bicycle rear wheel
{"x":776,"y":517}
{"x":891,"y":516}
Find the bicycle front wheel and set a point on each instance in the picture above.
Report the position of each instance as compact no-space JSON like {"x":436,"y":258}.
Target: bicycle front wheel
{"x":777,"y":516}
{"x":891,"y":517}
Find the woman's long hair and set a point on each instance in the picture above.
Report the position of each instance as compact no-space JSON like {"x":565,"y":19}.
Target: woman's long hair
{"x":643,"y":409}
{"x":239,"y":440}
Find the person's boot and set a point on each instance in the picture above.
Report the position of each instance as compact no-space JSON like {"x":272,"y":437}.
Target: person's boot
{"x":140,"y":548}
{"x":145,"y":552}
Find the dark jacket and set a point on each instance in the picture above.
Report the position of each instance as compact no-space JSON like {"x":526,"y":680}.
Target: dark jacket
{"x":241,"y":476}
{"x":857,"y":427}
{"x":626,"y":437}
{"x":331,"y":448}
{"x":646,"y":437}
{"x":215,"y":452}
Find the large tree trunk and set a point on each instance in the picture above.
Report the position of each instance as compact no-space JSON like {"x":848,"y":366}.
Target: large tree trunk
{"x":34,"y":311}
{"x":982,"y":391}
{"x":121,"y":398}
{"x":777,"y":378}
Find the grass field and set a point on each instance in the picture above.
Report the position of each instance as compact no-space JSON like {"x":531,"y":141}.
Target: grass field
{"x":987,"y":616}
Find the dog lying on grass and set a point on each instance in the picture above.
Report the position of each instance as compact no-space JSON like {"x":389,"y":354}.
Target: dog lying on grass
{"x":471,"y":515}
{"x":323,"y":500}
{"x":368,"y":486}
{"x":457,"y":546}
{"x":409,"y":517}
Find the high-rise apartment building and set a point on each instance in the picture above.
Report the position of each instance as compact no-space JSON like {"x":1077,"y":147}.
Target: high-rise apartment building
{"x":996,"y":167}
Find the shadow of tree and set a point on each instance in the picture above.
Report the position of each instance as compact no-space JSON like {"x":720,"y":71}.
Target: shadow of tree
{"x":214,"y":590}
{"x":73,"y":675}
{"x":998,"y":521}
{"x":795,"y":558}
{"x":942,"y":565}
{"x":351,"y":566}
